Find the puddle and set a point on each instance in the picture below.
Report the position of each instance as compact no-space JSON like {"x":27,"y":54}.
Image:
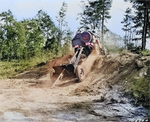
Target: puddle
{"x":115,"y":107}
{"x":13,"y":116}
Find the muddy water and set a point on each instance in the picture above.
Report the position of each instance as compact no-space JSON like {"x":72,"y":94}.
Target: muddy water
{"x":113,"y":107}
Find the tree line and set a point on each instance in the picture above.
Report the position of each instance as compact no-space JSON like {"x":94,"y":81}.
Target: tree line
{"x":31,"y":37}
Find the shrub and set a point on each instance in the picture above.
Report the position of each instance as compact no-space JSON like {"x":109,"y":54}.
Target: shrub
{"x":9,"y":69}
{"x":145,"y":52}
{"x":140,"y":88}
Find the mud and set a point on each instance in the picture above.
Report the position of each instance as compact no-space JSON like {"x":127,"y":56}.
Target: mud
{"x":26,"y":103}
{"x":100,"y":97}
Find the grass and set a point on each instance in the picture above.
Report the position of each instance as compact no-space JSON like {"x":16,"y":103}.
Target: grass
{"x":145,"y":53}
{"x":6,"y":69}
{"x":9,"y":69}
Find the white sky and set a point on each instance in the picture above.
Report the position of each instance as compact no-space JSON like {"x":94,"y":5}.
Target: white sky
{"x":25,"y":9}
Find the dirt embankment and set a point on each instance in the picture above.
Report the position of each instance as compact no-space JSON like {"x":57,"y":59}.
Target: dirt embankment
{"x":29,"y":96}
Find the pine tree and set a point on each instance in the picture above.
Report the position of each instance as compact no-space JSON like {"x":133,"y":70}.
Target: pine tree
{"x":94,"y":15}
{"x":141,"y":20}
{"x":127,"y":21}
{"x":62,"y":24}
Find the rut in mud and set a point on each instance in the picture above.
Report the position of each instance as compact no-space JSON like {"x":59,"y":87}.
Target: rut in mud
{"x":100,"y":97}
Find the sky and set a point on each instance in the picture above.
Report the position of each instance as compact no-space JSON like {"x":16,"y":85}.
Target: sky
{"x":25,"y":9}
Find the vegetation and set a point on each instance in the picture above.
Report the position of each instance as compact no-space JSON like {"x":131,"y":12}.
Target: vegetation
{"x":140,"y":88}
{"x":28,"y":38}
{"x":24,"y":44}
{"x":137,"y":24}
{"x":95,"y":13}
{"x":11,"y":68}
{"x":145,"y":52}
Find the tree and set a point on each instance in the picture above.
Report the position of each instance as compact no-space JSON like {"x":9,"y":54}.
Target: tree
{"x":19,"y":41}
{"x":1,"y":39}
{"x":49,"y":30}
{"x":64,"y":34}
{"x":127,"y":21}
{"x":61,"y":22}
{"x":7,"y":17}
{"x":34,"y":38}
{"x":141,"y":19}
{"x":46,"y":24}
{"x":27,"y":38}
{"x":95,"y":13}
{"x":8,"y":35}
